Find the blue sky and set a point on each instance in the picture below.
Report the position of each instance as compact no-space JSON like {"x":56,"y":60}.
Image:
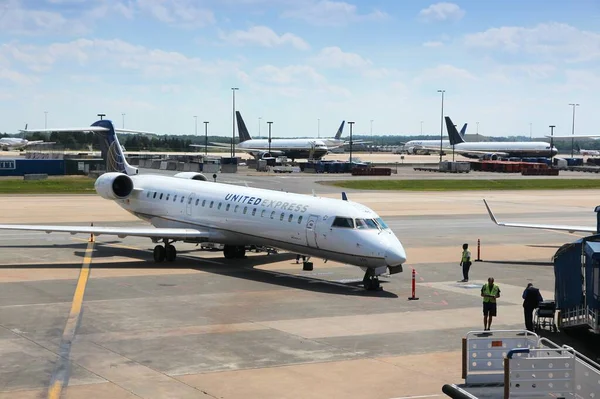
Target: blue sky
{"x":504,"y":64}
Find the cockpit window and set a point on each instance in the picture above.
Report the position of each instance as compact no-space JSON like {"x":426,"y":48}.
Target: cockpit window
{"x":343,"y":222}
{"x":381,"y":223}
{"x":366,"y":224}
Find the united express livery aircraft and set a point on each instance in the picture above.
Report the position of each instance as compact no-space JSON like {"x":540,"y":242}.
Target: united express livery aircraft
{"x":187,"y":207}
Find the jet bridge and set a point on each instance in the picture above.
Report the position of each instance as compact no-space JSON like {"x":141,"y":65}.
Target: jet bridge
{"x":519,"y":364}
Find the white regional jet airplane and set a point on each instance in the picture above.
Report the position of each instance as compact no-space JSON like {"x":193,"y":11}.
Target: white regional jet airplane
{"x":189,"y":208}
{"x":417,"y":146}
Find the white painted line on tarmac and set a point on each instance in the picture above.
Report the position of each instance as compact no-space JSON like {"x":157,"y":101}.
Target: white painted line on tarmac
{"x":419,"y":396}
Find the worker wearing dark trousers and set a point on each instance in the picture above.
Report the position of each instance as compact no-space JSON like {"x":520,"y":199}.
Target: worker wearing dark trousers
{"x":531,"y":301}
{"x":465,"y":262}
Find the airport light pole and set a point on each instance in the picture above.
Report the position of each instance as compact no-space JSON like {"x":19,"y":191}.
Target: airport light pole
{"x":270,"y":138}
{"x":573,"y":129}
{"x":123,"y":122}
{"x":233,"y":89}
{"x":45,"y":119}
{"x":421,"y":128}
{"x":442,"y":124}
{"x":195,"y":125}
{"x":371,"y":146}
{"x":351,"y":123}
{"x":101,"y":116}
{"x":477,"y":132}
{"x":551,"y":143}
{"x":205,"y":138}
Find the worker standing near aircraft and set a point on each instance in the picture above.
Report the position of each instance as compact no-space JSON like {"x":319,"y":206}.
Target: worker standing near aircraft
{"x":465,"y":262}
{"x":531,"y":301}
{"x":489,"y":292}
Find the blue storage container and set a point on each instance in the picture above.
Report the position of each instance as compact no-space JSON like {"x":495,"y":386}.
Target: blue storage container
{"x":592,"y":274}
{"x":21,"y":166}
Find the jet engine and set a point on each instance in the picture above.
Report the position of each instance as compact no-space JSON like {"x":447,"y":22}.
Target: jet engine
{"x":191,"y":176}
{"x":114,"y":185}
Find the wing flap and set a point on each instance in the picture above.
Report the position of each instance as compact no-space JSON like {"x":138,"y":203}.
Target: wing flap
{"x":571,"y":229}
{"x":150,"y":232}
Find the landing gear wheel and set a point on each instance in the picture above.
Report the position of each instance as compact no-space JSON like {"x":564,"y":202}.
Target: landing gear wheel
{"x":159,"y":253}
{"x":370,"y":281}
{"x":240,"y":252}
{"x":229,"y":251}
{"x":170,"y":253}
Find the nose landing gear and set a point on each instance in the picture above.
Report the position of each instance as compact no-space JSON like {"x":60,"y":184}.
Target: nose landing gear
{"x":371,"y":281}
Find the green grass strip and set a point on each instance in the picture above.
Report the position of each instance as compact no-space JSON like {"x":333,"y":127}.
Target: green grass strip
{"x":63,"y":185}
{"x":466,"y":185}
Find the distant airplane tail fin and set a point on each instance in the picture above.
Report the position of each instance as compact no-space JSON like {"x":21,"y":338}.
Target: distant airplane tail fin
{"x":455,"y":137}
{"x":111,"y":149}
{"x":463,"y":131}
{"x":242,"y":130}
{"x":340,"y":130}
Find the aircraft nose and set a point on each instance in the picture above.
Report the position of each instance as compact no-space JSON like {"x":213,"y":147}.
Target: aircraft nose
{"x":395,"y":254}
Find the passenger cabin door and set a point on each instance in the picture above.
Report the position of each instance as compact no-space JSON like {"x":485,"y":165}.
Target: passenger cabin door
{"x":190,"y":204}
{"x":311,"y":233}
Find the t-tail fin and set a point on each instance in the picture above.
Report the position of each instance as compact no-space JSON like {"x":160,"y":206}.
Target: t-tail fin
{"x":111,"y":149}
{"x":455,"y":137}
{"x":463,"y":131}
{"x":338,"y":135}
{"x":242,"y":130}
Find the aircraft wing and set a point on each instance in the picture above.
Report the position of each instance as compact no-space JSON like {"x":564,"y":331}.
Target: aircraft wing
{"x":121,"y":232}
{"x":67,"y":130}
{"x":463,"y":152}
{"x":243,"y":149}
{"x":570,"y":229}
{"x":40,"y":142}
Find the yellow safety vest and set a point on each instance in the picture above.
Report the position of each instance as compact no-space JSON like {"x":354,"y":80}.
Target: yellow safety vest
{"x":465,"y":255}
{"x":487,"y":291}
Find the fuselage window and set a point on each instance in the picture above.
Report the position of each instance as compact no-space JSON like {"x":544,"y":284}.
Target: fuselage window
{"x":272,"y":214}
{"x":290,"y":218}
{"x":253,"y":211}
{"x":262,"y":214}
{"x":219,"y":207}
{"x":175,"y":198}
{"x":161,"y":195}
{"x":227,"y":207}
{"x":190,"y":200}
{"x":343,"y":222}
{"x":299,"y":219}
{"x":182,"y":198}
{"x":168,"y":195}
{"x":366,"y":224}
{"x":197,"y":201}
{"x":211,"y":204}
{"x":154,"y":196}
{"x":204,"y":203}
{"x":381,"y":223}
{"x":236,"y":208}
{"x":245,"y":209}
{"x":148,"y":194}
{"x":281,"y":216}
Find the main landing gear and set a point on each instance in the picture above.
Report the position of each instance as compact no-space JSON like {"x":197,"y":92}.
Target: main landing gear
{"x":168,"y":252}
{"x":371,"y":281}
{"x":234,"y":251}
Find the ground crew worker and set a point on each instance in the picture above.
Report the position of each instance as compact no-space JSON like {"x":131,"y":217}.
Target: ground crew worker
{"x":465,"y":262}
{"x":531,"y":301}
{"x":489,"y":292}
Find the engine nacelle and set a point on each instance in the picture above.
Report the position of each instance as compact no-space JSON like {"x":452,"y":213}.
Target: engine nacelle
{"x":114,"y":185}
{"x":191,"y":176}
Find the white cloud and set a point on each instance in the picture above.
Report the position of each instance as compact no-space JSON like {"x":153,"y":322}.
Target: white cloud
{"x":552,"y":40}
{"x":582,"y":80}
{"x":111,"y":55}
{"x":16,"y":77}
{"x":180,"y":13}
{"x":14,"y":19}
{"x":264,"y":36}
{"x":444,"y":72}
{"x":334,"y":57}
{"x":442,"y":12}
{"x":433,"y":44}
{"x":288,"y":74}
{"x":331,"y":13}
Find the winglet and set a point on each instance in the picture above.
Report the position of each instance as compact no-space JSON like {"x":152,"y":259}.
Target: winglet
{"x":344,"y":196}
{"x":490,"y":212}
